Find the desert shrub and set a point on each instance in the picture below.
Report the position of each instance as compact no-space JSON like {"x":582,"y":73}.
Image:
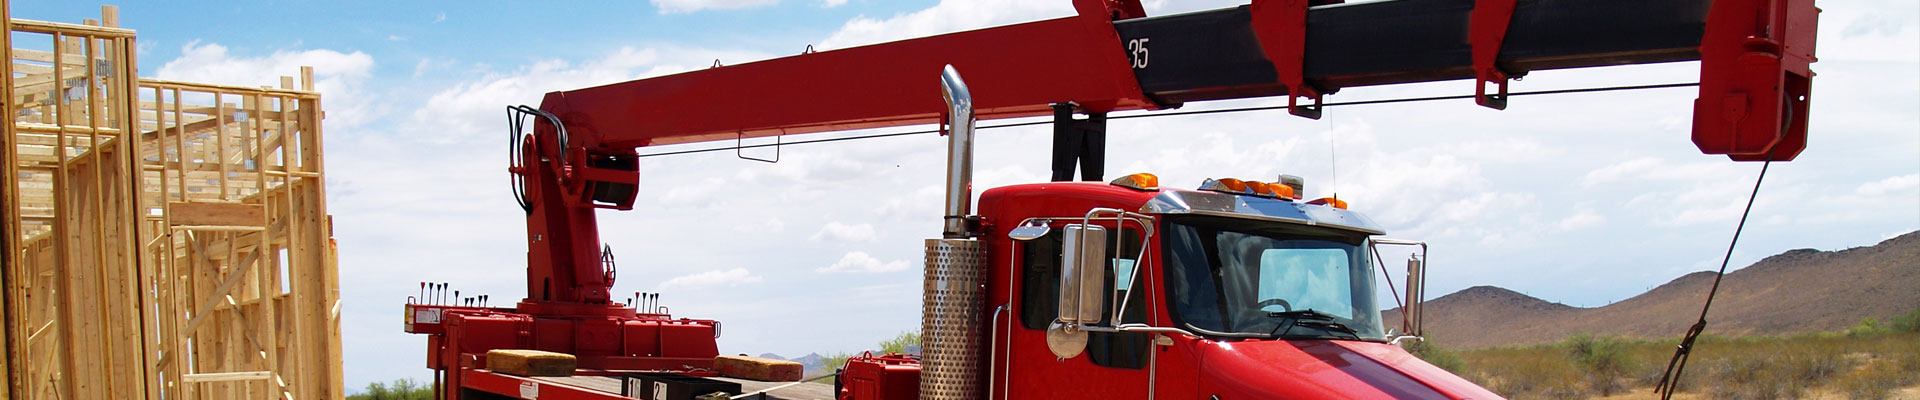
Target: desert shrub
{"x":898,"y":344}
{"x":833,"y":362}
{"x":1535,"y":372}
{"x":1748,"y":378}
{"x":1776,"y":367}
{"x":1439,"y":357}
{"x":1877,"y":380}
{"x":1824,"y":364}
{"x":1603,"y":360}
{"x":1909,"y":322}
{"x":400,"y":389}
{"x":1866,"y":327}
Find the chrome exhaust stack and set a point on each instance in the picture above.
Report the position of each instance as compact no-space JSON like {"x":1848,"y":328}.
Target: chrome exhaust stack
{"x":952,"y":319}
{"x":959,"y":154}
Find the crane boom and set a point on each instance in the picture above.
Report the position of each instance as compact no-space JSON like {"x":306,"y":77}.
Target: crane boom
{"x":1136,"y":62}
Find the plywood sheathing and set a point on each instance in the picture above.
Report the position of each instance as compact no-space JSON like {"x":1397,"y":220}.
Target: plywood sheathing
{"x":164,"y":239}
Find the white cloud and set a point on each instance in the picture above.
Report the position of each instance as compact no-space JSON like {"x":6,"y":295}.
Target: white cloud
{"x":704,"y":194}
{"x":338,"y":76}
{"x":473,"y":110}
{"x":715,"y":278}
{"x":1639,"y":170}
{"x":769,"y":225}
{"x":837,"y":231}
{"x":860,"y":261}
{"x":960,"y":15}
{"x":687,"y":6}
{"x":1581,"y":220}
{"x":946,"y":17}
{"x":832,"y":3}
{"x":1620,"y":171}
{"x":440,"y":17}
{"x":1890,"y":185}
{"x":420,"y":68}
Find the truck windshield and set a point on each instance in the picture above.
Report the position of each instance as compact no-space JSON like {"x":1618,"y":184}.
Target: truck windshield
{"x":1241,"y":278}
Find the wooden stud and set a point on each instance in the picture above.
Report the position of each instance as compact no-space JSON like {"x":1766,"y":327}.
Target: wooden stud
{"x":268,"y":287}
{"x":63,"y":276}
{"x":146,"y":264}
{"x":11,"y":313}
{"x":110,"y":15}
{"x":220,"y":145}
{"x":103,"y":260}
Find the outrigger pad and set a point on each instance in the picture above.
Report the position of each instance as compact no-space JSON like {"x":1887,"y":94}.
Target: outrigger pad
{"x":758,"y":369}
{"x":530,"y":363}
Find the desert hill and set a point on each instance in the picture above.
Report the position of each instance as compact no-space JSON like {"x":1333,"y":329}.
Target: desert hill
{"x":1801,"y":290}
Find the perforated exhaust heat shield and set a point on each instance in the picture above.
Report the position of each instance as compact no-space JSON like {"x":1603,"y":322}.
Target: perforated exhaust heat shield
{"x":951,"y":320}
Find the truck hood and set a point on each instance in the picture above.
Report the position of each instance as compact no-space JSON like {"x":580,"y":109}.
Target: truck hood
{"x":1325,"y":369}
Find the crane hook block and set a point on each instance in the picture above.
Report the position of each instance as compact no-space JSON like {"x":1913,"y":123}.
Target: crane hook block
{"x":1755,"y":76}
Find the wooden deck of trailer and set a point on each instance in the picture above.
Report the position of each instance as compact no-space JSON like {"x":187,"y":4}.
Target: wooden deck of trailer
{"x":804,"y":391}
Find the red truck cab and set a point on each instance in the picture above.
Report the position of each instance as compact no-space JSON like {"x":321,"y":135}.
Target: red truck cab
{"x":1229,"y":293}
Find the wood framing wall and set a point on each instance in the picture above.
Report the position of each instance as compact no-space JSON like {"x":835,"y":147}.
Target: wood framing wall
{"x":75,"y":268}
{"x":233,"y":177}
{"x":163,"y":239}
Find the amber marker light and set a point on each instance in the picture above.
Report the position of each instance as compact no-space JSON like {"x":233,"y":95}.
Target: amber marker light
{"x":1281,"y":190}
{"x":1234,"y":185}
{"x":1334,"y":202}
{"x":1141,"y":181}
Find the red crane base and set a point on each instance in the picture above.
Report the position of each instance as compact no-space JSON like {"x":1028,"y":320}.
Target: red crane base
{"x":605,"y":338}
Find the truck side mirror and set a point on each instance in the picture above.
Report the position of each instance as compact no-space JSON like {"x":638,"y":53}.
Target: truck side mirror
{"x":1416,"y":283}
{"x":1082,"y":270}
{"x":1411,"y":308}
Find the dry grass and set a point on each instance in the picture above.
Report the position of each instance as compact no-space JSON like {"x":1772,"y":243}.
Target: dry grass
{"x":1856,"y":364}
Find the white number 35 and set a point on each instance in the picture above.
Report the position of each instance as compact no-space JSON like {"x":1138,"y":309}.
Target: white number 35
{"x":1137,"y":50}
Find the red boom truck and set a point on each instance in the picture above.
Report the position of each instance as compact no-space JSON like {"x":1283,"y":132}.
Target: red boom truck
{"x":1236,"y":289}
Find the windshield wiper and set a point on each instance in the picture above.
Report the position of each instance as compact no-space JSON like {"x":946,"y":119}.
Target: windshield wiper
{"x":1310,"y":318}
{"x":1330,"y":326}
{"x":1302,"y":314}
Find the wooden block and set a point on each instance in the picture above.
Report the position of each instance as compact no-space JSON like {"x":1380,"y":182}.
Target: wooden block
{"x":530,"y":362}
{"x":756,"y":368}
{"x":216,"y":214}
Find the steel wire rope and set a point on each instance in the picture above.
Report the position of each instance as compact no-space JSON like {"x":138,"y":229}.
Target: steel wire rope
{"x":1178,"y":113}
{"x":1670,"y":379}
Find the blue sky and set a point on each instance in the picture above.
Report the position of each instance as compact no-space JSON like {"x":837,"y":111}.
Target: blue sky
{"x":1582,"y":199}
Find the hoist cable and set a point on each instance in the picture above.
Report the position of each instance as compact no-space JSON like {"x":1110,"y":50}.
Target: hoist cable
{"x":1670,"y":380}
{"x":1182,"y":113}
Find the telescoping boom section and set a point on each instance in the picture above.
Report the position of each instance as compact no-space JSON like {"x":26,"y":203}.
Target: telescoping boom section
{"x":575,"y":153}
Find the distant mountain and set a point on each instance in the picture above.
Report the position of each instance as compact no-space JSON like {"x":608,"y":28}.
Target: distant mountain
{"x":1797,"y":291}
{"x":771,"y":356}
{"x":811,"y":359}
{"x":812,"y":363}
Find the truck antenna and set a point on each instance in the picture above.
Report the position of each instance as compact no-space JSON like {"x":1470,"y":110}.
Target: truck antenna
{"x":1333,"y":163}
